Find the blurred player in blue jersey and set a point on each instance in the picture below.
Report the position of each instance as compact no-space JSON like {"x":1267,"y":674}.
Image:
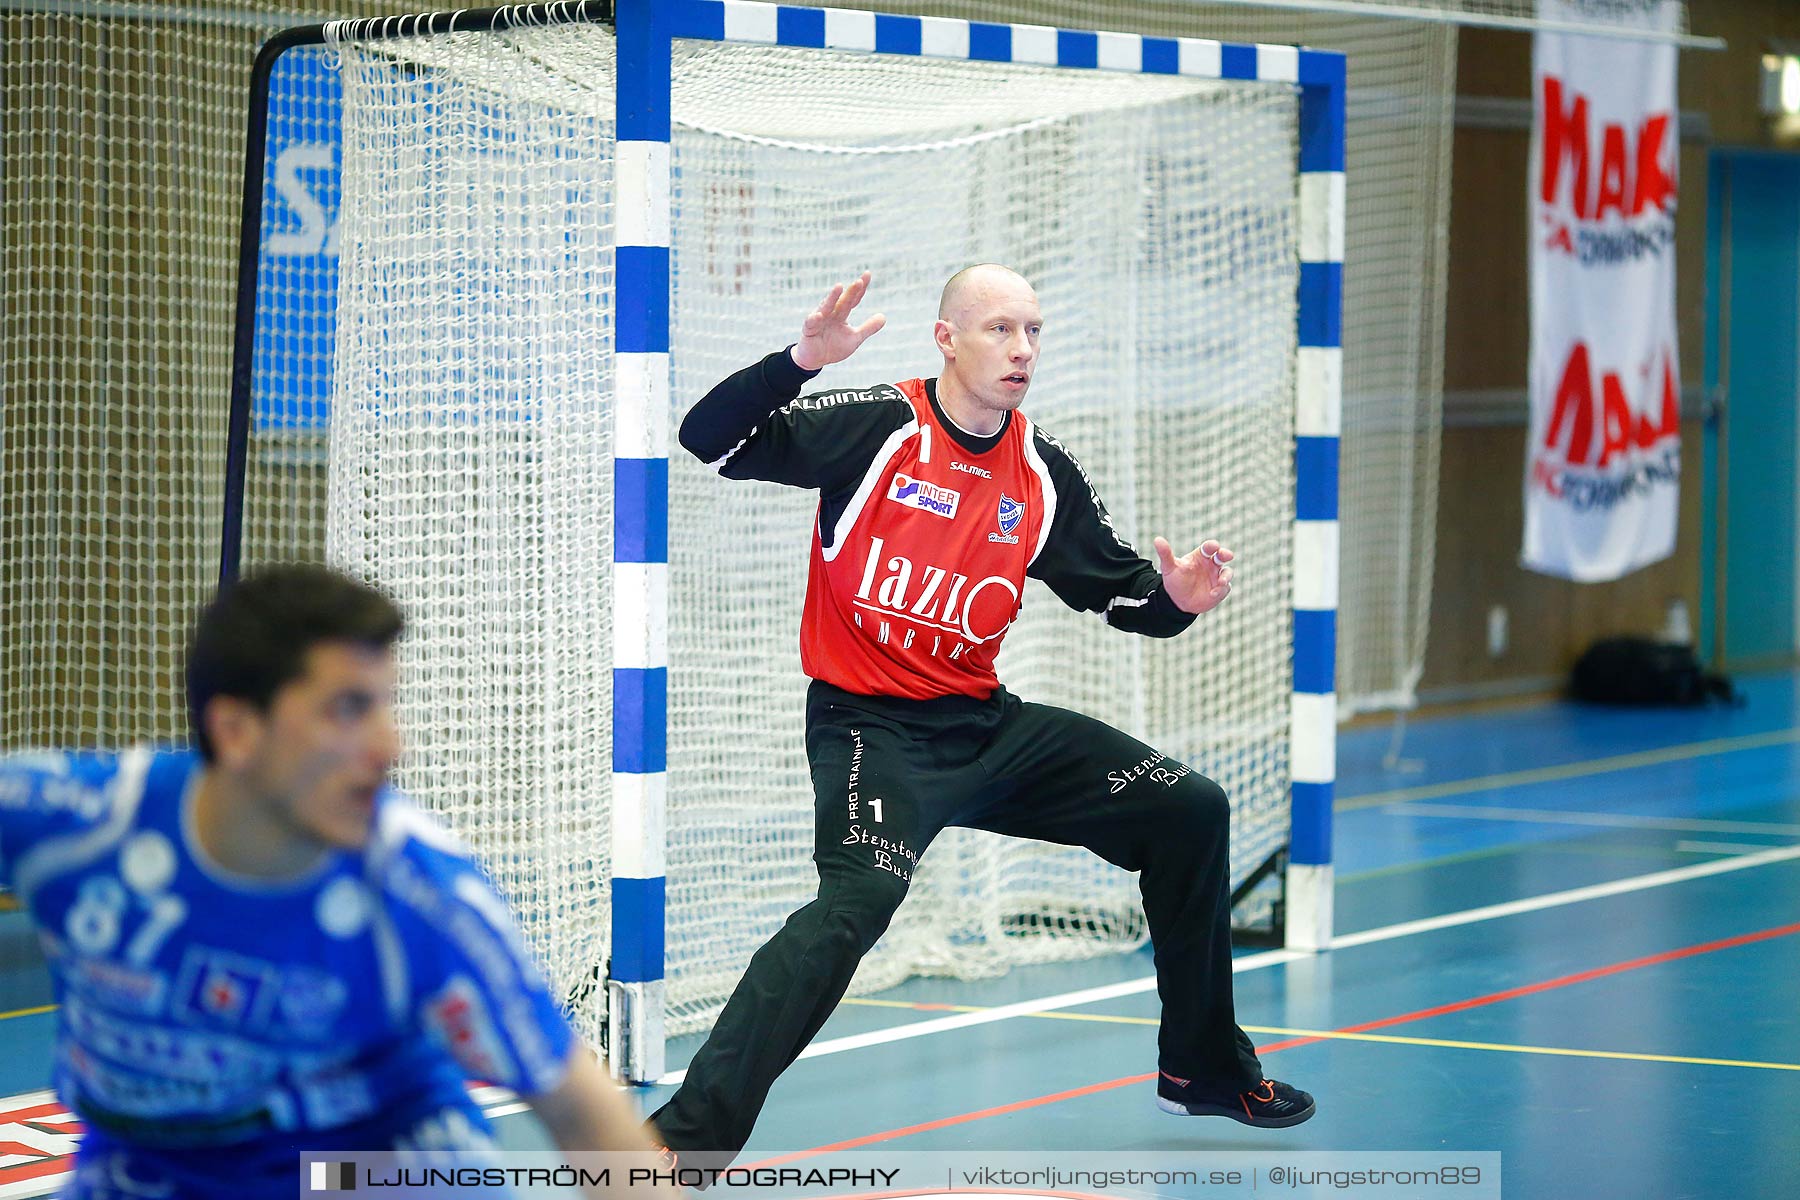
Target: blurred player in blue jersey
{"x":258,"y":947}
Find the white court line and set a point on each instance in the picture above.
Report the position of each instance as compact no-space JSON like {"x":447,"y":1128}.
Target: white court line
{"x":504,"y":1105}
{"x":1023,"y":1008}
{"x":1477,"y":812}
{"x":1579,"y":769}
{"x":1618,"y":887}
{"x":1721,"y":847}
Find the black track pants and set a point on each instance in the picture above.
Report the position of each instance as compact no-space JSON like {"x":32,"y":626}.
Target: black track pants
{"x":887,"y":776}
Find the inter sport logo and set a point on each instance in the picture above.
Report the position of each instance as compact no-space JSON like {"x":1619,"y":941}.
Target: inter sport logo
{"x":916,"y":493}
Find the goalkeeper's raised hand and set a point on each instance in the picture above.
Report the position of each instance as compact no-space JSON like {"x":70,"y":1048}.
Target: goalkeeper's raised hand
{"x":827,"y":336}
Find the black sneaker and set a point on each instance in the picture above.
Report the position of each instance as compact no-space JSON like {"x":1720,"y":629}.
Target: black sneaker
{"x":1269,"y":1105}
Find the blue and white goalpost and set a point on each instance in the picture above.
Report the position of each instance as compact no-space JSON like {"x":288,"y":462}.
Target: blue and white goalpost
{"x":1318,"y":424}
{"x":559,"y":223}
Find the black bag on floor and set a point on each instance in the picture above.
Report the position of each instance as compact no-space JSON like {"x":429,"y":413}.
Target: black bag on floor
{"x":1635,"y":670}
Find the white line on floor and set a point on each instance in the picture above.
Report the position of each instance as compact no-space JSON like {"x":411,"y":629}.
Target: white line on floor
{"x":504,"y":1105}
{"x":1478,"y":812}
{"x":1093,"y":995}
{"x":1598,"y":891}
{"x":1572,"y":770}
{"x":1618,"y":887}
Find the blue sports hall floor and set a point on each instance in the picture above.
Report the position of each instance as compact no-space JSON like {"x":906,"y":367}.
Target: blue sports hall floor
{"x":1566,"y":934}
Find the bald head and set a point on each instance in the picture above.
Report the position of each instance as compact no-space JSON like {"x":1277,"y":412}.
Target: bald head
{"x":979,"y":284}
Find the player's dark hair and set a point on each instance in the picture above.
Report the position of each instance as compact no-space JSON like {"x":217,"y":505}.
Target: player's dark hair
{"x":253,"y":639}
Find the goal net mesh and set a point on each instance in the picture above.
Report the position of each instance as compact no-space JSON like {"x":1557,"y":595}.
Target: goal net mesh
{"x":470,"y":458}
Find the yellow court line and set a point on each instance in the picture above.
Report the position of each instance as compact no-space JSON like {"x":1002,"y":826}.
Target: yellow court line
{"x":1562,"y":1051}
{"x":1368,"y":1037}
{"x":27,"y":1012}
{"x":1576,"y":770}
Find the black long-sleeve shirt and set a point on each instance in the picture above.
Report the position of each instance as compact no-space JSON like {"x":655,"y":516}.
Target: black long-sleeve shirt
{"x":891,"y":442}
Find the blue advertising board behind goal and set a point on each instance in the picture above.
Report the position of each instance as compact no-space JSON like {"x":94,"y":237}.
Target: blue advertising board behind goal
{"x":297,"y":276}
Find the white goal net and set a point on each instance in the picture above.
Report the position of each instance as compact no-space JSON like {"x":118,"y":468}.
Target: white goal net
{"x":472,"y":411}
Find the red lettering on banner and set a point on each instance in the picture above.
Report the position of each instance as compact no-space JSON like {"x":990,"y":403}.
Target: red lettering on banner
{"x":1564,"y":134}
{"x":1574,"y":402}
{"x":1628,"y":182}
{"x":1671,"y":399}
{"x":1573,"y":415}
{"x":1612,"y":173}
{"x":1615,"y":419}
{"x":1648,"y":432}
{"x":1654,"y":187}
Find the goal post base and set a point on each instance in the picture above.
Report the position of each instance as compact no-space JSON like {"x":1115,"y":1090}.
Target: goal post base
{"x":1309,"y":900}
{"x":634,"y":1031}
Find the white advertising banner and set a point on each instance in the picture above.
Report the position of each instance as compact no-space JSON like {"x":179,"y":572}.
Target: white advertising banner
{"x":1603,"y":463}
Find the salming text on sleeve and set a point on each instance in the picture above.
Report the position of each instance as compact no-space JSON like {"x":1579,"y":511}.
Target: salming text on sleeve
{"x":756,"y":425}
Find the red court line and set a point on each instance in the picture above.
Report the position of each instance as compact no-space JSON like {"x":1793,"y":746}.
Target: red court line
{"x":946,"y":1122}
{"x":1529,"y":989}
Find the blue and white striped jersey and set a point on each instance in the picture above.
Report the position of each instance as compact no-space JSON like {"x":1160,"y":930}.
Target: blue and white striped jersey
{"x":200,"y":1009}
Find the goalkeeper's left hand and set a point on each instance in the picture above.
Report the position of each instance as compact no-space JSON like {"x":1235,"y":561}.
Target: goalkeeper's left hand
{"x":1198,"y":582}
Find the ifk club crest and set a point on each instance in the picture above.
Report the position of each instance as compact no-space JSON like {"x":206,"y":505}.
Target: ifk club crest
{"x":1010,"y":512}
